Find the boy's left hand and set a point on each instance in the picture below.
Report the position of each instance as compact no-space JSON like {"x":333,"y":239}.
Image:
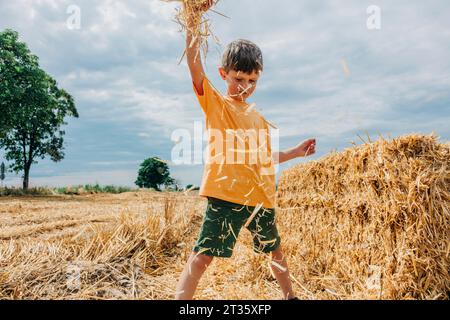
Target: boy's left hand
{"x":306,"y":148}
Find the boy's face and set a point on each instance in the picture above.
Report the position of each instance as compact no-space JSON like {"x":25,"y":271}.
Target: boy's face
{"x":240,"y":85}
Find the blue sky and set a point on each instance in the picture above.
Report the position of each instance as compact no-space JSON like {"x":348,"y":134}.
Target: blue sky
{"x":326,"y":76}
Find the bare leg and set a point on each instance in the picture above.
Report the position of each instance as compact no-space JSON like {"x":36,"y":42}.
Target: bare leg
{"x":282,"y":274}
{"x":193,"y":271}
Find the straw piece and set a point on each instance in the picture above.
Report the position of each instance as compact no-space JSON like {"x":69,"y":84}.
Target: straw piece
{"x":278,"y":266}
{"x":250,"y":108}
{"x":233,"y":183}
{"x":232,"y":231}
{"x":246,"y":195}
{"x":221,"y":179}
{"x":254,"y":213}
{"x":268,"y":241}
{"x":193,"y":10}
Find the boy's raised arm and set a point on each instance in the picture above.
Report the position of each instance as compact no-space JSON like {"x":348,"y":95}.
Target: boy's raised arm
{"x":193,"y":45}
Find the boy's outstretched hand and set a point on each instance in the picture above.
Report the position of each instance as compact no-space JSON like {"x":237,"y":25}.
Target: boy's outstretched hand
{"x":306,"y":148}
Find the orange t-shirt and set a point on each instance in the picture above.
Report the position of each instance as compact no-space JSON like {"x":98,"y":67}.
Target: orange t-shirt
{"x":239,"y":166}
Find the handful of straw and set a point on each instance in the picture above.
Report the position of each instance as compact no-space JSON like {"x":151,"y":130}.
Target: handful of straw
{"x":191,"y":17}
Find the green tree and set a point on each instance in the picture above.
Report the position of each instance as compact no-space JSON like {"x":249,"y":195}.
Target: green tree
{"x":33,"y":130}
{"x":14,"y":58}
{"x":153,"y":173}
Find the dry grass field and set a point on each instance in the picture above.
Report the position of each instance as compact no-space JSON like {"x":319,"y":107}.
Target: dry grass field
{"x":372,"y":222}
{"x":126,"y":246}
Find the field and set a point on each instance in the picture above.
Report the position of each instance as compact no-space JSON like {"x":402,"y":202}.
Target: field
{"x":371,"y":222}
{"x":124,"y":246}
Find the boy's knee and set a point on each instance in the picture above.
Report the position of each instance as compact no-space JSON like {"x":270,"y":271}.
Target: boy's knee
{"x":202,"y":260}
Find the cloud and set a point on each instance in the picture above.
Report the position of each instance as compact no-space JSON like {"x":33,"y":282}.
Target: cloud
{"x":121,"y":67}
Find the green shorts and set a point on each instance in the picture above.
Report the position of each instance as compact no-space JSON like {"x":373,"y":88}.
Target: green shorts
{"x":221,"y":225}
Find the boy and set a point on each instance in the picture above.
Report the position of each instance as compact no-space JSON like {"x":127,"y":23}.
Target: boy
{"x":241,"y":194}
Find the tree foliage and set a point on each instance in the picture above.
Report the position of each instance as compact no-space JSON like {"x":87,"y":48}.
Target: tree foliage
{"x":34,"y":107}
{"x":153,"y":173}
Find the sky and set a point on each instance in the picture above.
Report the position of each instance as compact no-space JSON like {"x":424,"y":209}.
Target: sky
{"x":333,"y":70}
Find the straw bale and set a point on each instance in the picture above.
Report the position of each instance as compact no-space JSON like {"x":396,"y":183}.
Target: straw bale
{"x":372,"y":221}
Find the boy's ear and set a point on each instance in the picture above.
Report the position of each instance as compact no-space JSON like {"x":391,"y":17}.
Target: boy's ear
{"x":222,"y":73}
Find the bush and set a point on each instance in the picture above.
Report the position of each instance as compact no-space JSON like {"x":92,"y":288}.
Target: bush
{"x":88,"y":188}
{"x":35,"y":191}
{"x":72,"y":190}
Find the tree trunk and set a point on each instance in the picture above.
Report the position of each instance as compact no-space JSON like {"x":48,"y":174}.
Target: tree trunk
{"x":28,"y":161}
{"x":26,"y":177}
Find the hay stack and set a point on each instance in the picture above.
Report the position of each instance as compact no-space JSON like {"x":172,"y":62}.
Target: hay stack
{"x":372,"y":221}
